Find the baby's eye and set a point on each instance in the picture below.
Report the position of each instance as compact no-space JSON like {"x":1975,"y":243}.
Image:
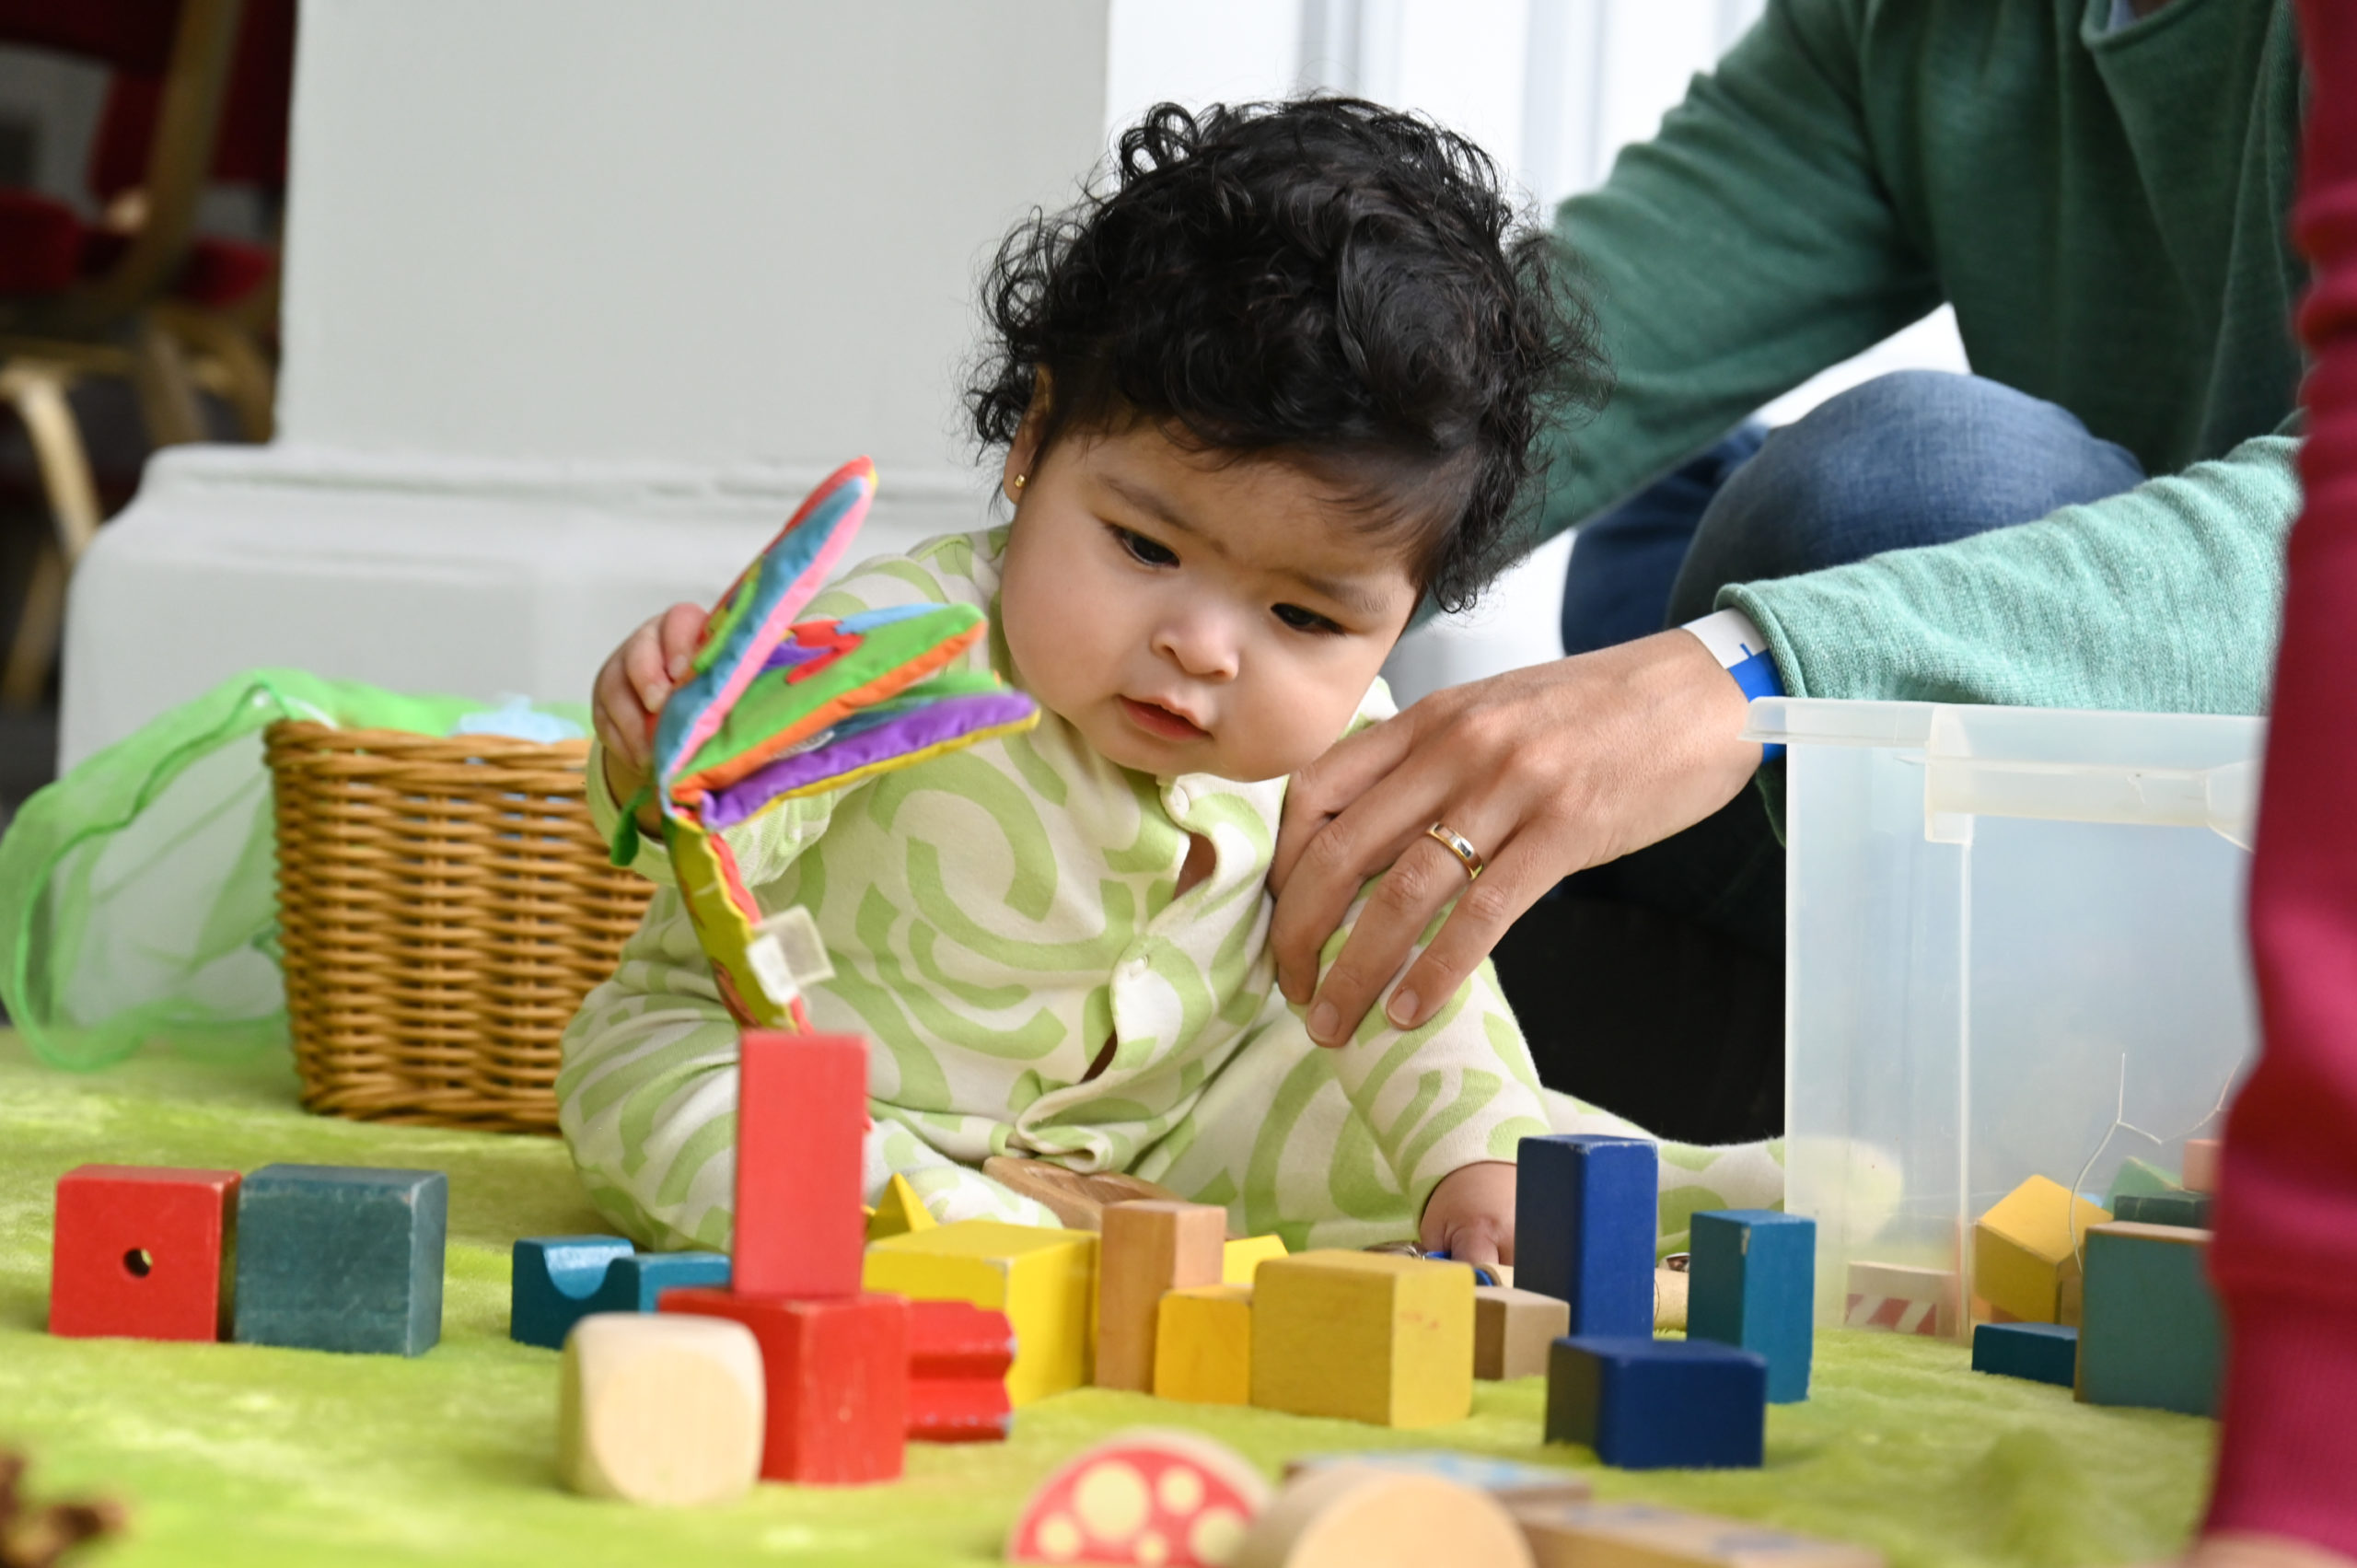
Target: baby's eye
{"x":1302,"y":620}
{"x":1148,"y":551}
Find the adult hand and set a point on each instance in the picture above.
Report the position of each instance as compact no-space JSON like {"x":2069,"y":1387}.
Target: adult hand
{"x":1546,"y":771}
{"x":630,"y":691}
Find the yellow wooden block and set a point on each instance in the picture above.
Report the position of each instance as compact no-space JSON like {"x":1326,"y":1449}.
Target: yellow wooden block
{"x":1045,"y":1280}
{"x":1243,"y":1257}
{"x":1203,"y":1346}
{"x":2025,"y":1249}
{"x":1368,"y":1336}
{"x":899,"y":1211}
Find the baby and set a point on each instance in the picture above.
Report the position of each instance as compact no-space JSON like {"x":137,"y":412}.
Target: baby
{"x":1259,"y":397}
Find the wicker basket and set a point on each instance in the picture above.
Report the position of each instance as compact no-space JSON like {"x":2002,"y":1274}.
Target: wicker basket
{"x":444,"y":905}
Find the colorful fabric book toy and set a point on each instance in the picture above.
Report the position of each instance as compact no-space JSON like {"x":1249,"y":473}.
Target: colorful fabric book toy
{"x":773,"y":708}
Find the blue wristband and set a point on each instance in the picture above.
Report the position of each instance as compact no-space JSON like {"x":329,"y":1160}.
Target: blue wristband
{"x":1742,"y":652}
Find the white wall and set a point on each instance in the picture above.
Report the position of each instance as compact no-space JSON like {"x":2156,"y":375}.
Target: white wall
{"x":581,"y":295}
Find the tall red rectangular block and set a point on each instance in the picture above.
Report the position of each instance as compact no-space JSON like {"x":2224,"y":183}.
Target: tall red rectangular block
{"x":801,"y":1118}
{"x":836,"y":1370}
{"x":139,"y":1252}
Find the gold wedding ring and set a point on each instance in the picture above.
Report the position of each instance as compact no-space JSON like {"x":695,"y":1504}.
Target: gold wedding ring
{"x":1458,"y":845}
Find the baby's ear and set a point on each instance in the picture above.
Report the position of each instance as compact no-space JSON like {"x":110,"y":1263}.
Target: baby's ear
{"x":1023,"y":453}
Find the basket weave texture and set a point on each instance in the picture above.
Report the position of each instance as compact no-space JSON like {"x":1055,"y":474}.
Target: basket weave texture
{"x":444,"y":905}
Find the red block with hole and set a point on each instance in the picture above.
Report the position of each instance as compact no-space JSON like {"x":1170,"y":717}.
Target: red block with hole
{"x":139,"y":1252}
{"x":836,"y":1369}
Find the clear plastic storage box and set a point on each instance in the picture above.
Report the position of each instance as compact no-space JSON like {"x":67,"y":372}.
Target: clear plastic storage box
{"x":2015,"y":948}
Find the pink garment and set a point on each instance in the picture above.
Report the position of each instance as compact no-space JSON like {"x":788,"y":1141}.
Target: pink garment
{"x":2286,"y":1250}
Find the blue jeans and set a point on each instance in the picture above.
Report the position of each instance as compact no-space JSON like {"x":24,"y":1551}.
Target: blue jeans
{"x":1915,"y":458}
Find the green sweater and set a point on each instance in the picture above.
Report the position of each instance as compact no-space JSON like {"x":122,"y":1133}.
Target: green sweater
{"x":2107,"y":211}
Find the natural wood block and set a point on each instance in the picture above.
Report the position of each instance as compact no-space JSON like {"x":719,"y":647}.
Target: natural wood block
{"x":342,"y":1257}
{"x":2201,"y":1155}
{"x":661,"y":1409}
{"x":1638,"y":1535}
{"x":801,"y":1121}
{"x":1203,"y":1346}
{"x":1241,"y":1257}
{"x":1045,"y":1280}
{"x":1512,"y":1330}
{"x":835,"y":1373}
{"x":139,"y":1252}
{"x":1510,"y":1482}
{"x":1153,"y":1497}
{"x":2022,"y":1248}
{"x":1903,"y":1299}
{"x":1076,"y":1198}
{"x":1351,"y":1516}
{"x":1366,"y":1336}
{"x":1148,"y":1248}
{"x":899,"y":1211}
{"x":1672,"y":1290}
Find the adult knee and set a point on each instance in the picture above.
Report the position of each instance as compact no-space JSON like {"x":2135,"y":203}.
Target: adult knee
{"x":1912,"y":457}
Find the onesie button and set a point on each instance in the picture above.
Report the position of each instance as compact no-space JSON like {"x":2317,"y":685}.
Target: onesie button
{"x":1178,"y":800}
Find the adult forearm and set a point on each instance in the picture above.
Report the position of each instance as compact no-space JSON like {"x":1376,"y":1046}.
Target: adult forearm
{"x":2162,"y":600}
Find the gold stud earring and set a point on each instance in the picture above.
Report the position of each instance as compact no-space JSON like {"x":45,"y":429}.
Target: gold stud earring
{"x":1019,"y":482}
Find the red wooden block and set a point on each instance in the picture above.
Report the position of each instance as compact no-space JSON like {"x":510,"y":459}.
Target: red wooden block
{"x":801,"y":1118}
{"x":139,"y":1251}
{"x":836,"y":1370}
{"x":959,"y":1354}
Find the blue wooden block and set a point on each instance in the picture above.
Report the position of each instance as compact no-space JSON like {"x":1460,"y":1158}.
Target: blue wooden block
{"x":2043,"y":1352}
{"x":639,"y":1283}
{"x":554,"y":1281}
{"x":2189,"y":1209}
{"x":1752,"y":1281}
{"x":342,"y":1257}
{"x":1645,"y":1404}
{"x":1584,"y":1228}
{"x":2150,"y":1332}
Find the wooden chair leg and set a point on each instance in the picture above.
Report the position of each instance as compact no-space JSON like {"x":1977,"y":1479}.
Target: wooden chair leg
{"x":167,"y":392}
{"x":41,"y":621}
{"x":245,"y":377}
{"x":38,"y":394}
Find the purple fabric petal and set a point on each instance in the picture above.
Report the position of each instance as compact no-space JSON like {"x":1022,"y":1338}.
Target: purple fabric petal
{"x":912,"y":731}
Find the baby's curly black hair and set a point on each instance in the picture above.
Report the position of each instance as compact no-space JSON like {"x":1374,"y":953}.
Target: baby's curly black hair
{"x":1325,"y":280}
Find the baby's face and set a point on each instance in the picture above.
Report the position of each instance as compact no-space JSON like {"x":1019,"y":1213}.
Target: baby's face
{"x":1189,"y":617}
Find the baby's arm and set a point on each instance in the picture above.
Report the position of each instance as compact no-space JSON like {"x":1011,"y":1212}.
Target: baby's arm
{"x":1448,"y":1104}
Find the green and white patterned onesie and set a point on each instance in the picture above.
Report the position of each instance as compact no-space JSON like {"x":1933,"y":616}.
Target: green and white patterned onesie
{"x":998,"y":919}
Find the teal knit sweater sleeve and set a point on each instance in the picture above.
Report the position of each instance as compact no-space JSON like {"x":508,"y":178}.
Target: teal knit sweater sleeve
{"x":1745,"y":248}
{"x":2162,"y":599}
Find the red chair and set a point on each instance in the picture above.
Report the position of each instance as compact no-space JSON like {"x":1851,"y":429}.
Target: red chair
{"x":200,"y":92}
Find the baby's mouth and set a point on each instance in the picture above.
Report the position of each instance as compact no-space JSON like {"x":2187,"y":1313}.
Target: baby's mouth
{"x":1157,"y":720}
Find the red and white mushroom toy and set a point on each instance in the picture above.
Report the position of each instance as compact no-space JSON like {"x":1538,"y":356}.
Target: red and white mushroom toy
{"x":1150,"y":1498}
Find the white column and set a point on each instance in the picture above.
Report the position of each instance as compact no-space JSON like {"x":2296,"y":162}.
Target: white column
{"x":581,"y":296}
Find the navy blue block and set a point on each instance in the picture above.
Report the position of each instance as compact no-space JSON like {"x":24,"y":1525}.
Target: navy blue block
{"x":342,"y":1257}
{"x":2043,"y":1352}
{"x":1648,"y":1404}
{"x":1753,"y":1283}
{"x":1584,"y":1228}
{"x":556,"y":1281}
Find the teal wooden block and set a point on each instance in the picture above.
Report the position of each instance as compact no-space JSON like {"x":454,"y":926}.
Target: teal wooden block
{"x":342,"y":1257}
{"x":2137,"y":1178}
{"x":2043,"y":1352}
{"x":1752,"y":1282}
{"x":2150,"y":1334}
{"x":2189,"y":1209}
{"x":556,"y":1281}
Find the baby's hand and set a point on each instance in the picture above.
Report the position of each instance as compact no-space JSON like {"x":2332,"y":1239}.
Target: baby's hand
{"x":631,"y":689}
{"x":1470,"y":1214}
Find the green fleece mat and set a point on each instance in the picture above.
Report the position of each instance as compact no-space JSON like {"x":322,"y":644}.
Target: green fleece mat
{"x":237,"y":1455}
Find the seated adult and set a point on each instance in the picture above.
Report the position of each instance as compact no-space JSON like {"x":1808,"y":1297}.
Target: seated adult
{"x":2093,"y":518}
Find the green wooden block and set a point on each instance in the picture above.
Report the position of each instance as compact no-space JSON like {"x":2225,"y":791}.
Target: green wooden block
{"x":2190,"y":1209}
{"x":2150,"y":1336}
{"x":2138,"y":1179}
{"x":342,"y":1257}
